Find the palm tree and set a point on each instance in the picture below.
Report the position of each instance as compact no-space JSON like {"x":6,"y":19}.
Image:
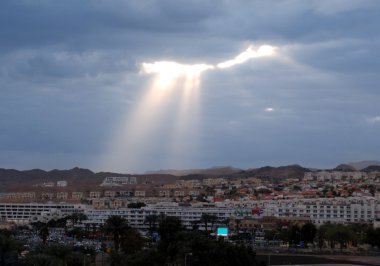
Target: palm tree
{"x":117,"y":226}
{"x":43,"y":260}
{"x":78,"y":217}
{"x":208,"y":218}
{"x":61,"y":253}
{"x":205,"y":219}
{"x":151,"y":220}
{"x":195,"y":225}
{"x":117,"y":258}
{"x":8,"y":246}
{"x":94,"y":227}
{"x":43,"y":233}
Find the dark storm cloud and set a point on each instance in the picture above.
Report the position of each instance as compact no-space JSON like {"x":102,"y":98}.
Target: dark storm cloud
{"x":69,"y":71}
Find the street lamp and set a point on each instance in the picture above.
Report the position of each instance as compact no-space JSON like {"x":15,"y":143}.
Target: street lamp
{"x":187,"y":254}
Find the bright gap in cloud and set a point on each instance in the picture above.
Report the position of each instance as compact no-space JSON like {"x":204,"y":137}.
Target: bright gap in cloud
{"x":264,"y":50}
{"x":132,"y":143}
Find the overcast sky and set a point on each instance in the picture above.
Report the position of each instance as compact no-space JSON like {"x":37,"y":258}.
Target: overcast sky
{"x":70,"y":75}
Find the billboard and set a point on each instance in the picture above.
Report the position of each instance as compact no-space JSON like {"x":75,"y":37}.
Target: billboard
{"x":222,"y":231}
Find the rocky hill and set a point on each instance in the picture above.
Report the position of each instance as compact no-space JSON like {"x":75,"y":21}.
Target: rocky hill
{"x":10,"y":178}
{"x":372,"y":168}
{"x":345,"y":168}
{"x":363,"y":164}
{"x":289,"y":171}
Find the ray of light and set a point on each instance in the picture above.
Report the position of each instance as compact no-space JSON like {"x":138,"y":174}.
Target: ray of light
{"x":130,"y":144}
{"x":133,"y":143}
{"x":185,"y":135}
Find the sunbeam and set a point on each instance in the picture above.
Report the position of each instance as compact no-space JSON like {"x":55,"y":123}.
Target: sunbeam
{"x":134,"y":142}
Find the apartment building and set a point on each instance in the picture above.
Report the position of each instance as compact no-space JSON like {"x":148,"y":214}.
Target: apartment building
{"x":77,"y":195}
{"x":321,"y":211}
{"x":25,"y":213}
{"x":136,"y":217}
{"x":334,"y":175}
{"x":318,"y":210}
{"x":62,"y":195}
{"x":18,"y":195}
{"x":164,"y":193}
{"x":140,"y":193}
{"x":119,"y":181}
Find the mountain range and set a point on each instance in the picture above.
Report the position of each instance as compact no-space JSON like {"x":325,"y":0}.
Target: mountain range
{"x":80,"y":176}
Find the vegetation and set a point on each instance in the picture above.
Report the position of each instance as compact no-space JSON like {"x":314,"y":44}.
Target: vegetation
{"x":117,"y":227}
{"x":326,"y":236}
{"x":136,"y":205}
{"x":175,"y":244}
{"x":9,"y":248}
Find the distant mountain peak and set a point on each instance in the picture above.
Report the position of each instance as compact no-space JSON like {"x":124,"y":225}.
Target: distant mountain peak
{"x":345,"y":168}
{"x":363,"y":164}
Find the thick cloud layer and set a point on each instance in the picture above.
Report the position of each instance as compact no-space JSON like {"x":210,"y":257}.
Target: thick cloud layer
{"x":69,"y":74}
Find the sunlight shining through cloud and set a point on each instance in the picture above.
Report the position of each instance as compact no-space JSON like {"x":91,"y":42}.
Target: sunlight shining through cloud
{"x":168,"y":71}
{"x":170,"y":79}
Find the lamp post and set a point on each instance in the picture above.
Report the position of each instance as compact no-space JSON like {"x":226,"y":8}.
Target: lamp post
{"x":187,"y":254}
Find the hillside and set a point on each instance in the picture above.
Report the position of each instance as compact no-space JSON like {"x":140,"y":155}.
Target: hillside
{"x":363,"y":164}
{"x":345,"y":168}
{"x":78,"y":177}
{"x":289,"y":171}
{"x":372,"y":168}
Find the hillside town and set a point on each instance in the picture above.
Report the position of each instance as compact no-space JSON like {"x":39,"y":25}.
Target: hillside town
{"x":319,"y":197}
{"x":313,"y":214}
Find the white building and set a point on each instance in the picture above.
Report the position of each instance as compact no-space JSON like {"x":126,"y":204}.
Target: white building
{"x":319,"y":210}
{"x":62,"y":183}
{"x":25,"y":213}
{"x":119,"y":181}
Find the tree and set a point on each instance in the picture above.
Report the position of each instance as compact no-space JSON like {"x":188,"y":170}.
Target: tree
{"x":78,"y":217}
{"x":136,"y":205}
{"x":168,"y":228}
{"x":8,"y":247}
{"x":42,"y":260}
{"x":55,"y":255}
{"x":208,"y":218}
{"x":195,"y":225}
{"x":308,"y":233}
{"x":117,"y":258}
{"x":295,"y":234}
{"x":373,"y":237}
{"x":151,"y":220}
{"x":117,"y":226}
{"x":61,"y":253}
{"x":94,"y":227}
{"x":132,"y":241}
{"x":321,"y":236}
{"x":339,"y":233}
{"x":43,"y":233}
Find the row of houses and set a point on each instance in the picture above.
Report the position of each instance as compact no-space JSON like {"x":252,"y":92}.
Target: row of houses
{"x":96,"y":194}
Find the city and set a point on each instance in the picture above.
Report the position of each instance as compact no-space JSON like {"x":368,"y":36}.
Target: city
{"x":264,"y":213}
{"x":189,"y":133}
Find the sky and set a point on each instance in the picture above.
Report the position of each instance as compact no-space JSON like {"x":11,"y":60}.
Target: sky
{"x":72,"y":92}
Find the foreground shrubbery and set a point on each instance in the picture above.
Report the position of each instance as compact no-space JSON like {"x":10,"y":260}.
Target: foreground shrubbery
{"x":175,"y":244}
{"x":327,"y":235}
